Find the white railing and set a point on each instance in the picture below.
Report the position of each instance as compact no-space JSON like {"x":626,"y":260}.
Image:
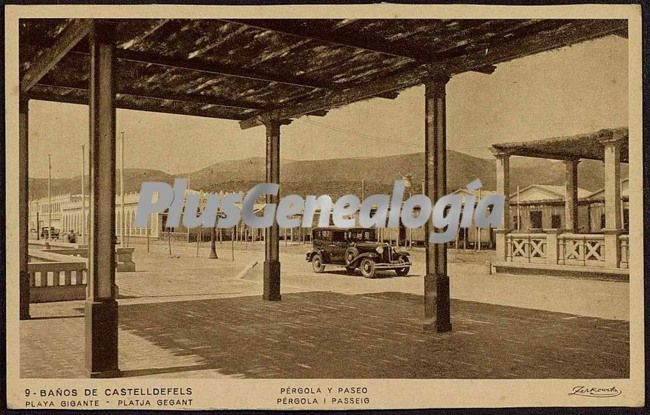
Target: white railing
{"x":581,"y":249}
{"x":526,"y":247}
{"x":56,"y":277}
{"x":553,"y":247}
{"x":123,"y":256}
{"x":56,"y":274}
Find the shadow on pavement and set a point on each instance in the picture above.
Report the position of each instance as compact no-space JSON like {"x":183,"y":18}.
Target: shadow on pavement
{"x":56,"y":317}
{"x":162,"y":370}
{"x":380,"y":335}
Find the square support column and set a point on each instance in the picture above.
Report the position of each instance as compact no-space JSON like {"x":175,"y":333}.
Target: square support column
{"x":272,"y":234}
{"x":23,"y":202}
{"x":437,"y":313}
{"x":552,"y":246}
{"x":571,"y":196}
{"x":101,"y":305}
{"x":613,"y":223}
{"x":503,"y":188}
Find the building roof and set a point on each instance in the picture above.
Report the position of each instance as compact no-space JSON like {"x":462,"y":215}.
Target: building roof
{"x":600,"y":194}
{"x":544,"y":192}
{"x":338,"y":229}
{"x":580,"y":146}
{"x":249,"y":70}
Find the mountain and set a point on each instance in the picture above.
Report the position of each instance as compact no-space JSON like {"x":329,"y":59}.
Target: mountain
{"x":132,"y":181}
{"x":340,"y":176}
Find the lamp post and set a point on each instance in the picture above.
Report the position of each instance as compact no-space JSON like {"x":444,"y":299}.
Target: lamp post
{"x":122,"y":218}
{"x":49,"y":197}
{"x":84,"y":229}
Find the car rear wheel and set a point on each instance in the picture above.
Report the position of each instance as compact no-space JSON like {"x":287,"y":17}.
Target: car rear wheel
{"x":367,"y":268}
{"x":317,"y":263}
{"x":402,"y":272}
{"x":350,"y":254}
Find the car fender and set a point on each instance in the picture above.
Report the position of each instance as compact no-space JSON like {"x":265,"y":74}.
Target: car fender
{"x":311,"y":254}
{"x":403,"y":254}
{"x":359,"y":257}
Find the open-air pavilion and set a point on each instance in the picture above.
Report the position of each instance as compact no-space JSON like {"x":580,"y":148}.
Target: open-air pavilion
{"x":557,"y":250}
{"x":258,"y":73}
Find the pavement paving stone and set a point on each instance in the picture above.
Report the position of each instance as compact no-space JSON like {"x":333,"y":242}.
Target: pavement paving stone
{"x":375,"y":335}
{"x":188,"y":316}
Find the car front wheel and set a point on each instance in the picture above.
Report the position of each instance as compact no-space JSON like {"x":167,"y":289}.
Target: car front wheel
{"x":367,"y":268}
{"x":402,"y":272}
{"x":317,"y":263}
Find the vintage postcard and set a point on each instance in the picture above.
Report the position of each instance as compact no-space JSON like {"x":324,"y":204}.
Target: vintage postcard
{"x":323,"y":207}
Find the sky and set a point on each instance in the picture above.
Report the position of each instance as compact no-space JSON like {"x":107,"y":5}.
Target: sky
{"x":577,"y":89}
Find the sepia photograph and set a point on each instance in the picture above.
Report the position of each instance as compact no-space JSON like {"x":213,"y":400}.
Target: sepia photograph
{"x":323,"y":207}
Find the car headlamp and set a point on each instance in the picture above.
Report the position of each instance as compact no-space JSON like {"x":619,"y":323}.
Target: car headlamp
{"x":380,"y":250}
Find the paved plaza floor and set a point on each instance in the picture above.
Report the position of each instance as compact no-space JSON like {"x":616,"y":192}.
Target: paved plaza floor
{"x":189,"y":316}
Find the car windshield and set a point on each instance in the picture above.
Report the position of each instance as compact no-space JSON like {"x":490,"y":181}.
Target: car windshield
{"x":361,"y":235}
{"x":339,"y":236}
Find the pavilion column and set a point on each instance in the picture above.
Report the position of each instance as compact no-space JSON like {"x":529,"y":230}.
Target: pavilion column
{"x":272,"y":234}
{"x":613,"y":223}
{"x":23,"y":202}
{"x":503,"y":188}
{"x":571,"y":196}
{"x":101,"y":306}
{"x":437,"y":312}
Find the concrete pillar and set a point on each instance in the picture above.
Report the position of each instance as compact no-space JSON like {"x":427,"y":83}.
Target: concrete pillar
{"x":612,"y":185}
{"x":437,"y":312}
{"x":571,"y":196}
{"x":552,"y":246}
{"x":272,"y":234}
{"x":101,"y":307}
{"x":613,"y":223}
{"x":503,"y":188}
{"x":23,"y":202}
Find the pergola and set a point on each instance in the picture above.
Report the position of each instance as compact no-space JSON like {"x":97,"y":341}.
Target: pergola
{"x":259,"y":73}
{"x":611,"y":146}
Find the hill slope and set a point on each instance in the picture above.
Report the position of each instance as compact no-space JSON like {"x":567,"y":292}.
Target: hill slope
{"x":340,"y":176}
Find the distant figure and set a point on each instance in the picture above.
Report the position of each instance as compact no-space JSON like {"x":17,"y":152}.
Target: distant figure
{"x":72,"y":237}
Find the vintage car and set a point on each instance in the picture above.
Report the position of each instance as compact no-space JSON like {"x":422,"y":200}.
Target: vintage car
{"x":355,"y":248}
{"x":45,"y":233}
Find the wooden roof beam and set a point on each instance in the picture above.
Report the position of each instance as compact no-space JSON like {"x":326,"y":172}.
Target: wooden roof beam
{"x":358,"y":93}
{"x":208,"y":68}
{"x":345,"y":40}
{"x":507,"y":50}
{"x":544,"y":155}
{"x":185,"y":98}
{"x":71,"y":35}
{"x":212,"y":68}
{"x":388,"y":95}
{"x":144,"y":35}
{"x":123,"y":104}
{"x":556,"y":156}
{"x":215,"y":69}
{"x":488,"y":69}
{"x":533,"y":44}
